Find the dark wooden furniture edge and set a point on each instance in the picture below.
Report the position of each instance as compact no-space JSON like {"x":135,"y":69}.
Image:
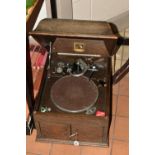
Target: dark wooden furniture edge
{"x":33,"y":17}
{"x":54,"y":8}
{"x":29,"y":80}
{"x":120,"y":73}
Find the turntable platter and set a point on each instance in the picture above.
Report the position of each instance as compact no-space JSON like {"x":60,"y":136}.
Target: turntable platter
{"x":74,"y":94}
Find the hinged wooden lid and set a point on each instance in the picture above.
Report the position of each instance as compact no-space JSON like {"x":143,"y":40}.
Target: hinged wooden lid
{"x":50,"y":29}
{"x":80,"y":47}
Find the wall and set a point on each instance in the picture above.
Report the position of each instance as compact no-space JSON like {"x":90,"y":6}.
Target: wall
{"x":115,"y":11}
{"x":98,"y":9}
{"x":64,"y":9}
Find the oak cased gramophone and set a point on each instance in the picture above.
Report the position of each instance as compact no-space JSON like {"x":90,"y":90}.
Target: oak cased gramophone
{"x":74,"y":102}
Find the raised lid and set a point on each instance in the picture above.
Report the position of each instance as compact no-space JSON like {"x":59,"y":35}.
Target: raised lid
{"x":71,"y":28}
{"x":50,"y":29}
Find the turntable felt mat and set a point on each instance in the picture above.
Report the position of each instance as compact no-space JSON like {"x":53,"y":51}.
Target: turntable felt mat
{"x":74,"y":94}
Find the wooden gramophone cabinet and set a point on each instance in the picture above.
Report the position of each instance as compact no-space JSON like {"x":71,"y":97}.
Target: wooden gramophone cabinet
{"x":79,"y":50}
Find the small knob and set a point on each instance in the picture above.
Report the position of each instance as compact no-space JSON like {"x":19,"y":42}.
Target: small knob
{"x":76,"y":143}
{"x":59,"y":70}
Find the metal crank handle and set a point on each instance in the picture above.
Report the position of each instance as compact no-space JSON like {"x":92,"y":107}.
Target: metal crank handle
{"x":74,"y":134}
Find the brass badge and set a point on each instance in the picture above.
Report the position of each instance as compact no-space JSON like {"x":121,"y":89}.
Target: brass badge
{"x":79,"y":47}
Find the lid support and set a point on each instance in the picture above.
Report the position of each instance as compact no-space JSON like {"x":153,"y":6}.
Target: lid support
{"x":49,"y":60}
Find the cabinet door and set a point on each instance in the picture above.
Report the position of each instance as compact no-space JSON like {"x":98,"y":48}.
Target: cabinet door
{"x":87,"y":133}
{"x":55,"y":130}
